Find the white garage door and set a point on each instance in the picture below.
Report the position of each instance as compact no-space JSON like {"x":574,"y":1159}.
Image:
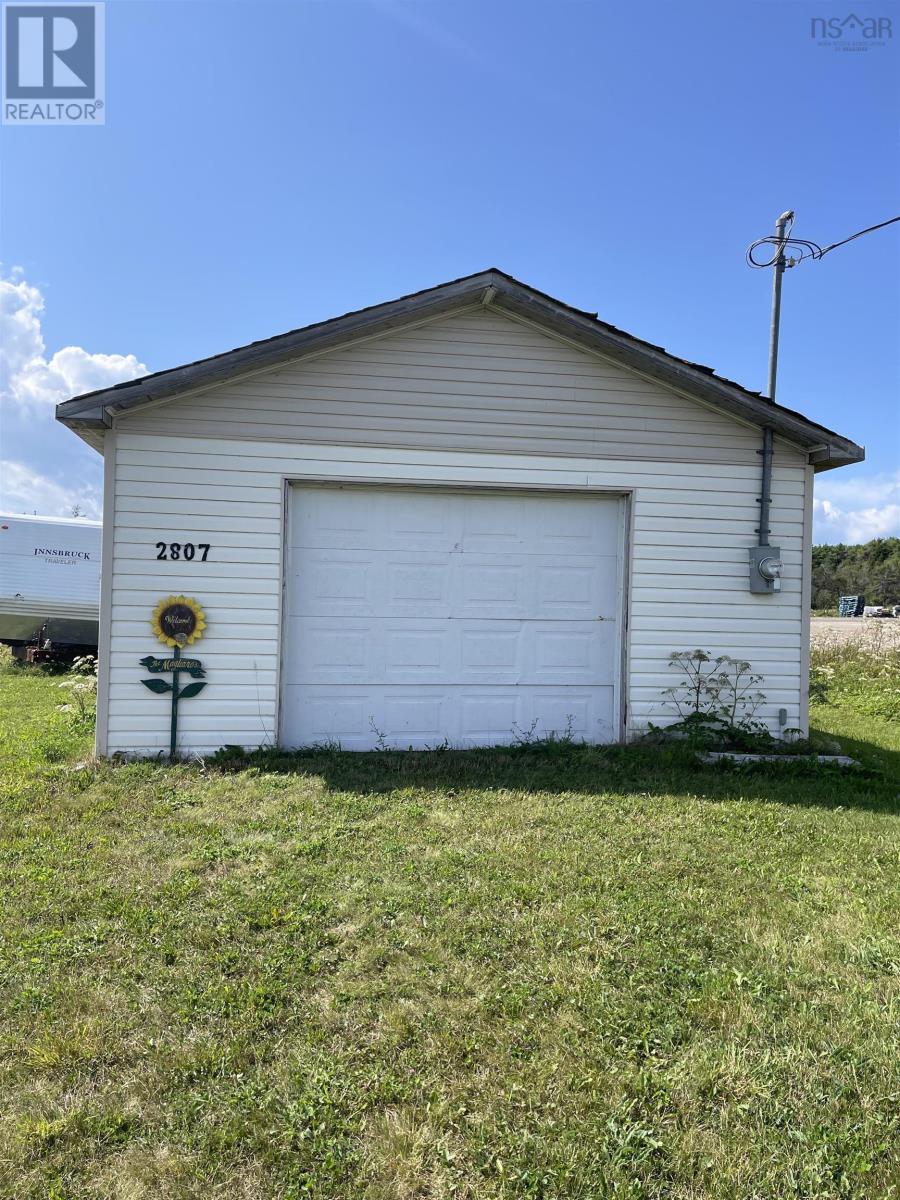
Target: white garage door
{"x":414,"y":615}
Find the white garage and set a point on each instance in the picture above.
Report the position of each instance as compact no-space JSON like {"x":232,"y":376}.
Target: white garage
{"x":422,"y":616}
{"x":457,"y":517}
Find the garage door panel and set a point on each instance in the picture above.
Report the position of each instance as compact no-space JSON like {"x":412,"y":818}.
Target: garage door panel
{"x":402,"y":584}
{"x":360,"y":519}
{"x":567,"y":527}
{"x":416,"y":653}
{"x":334,"y":651}
{"x":370,"y":583}
{"x":385,"y":519}
{"x":534,"y":586}
{"x":367,"y":651}
{"x":496,"y":651}
{"x":538,"y":524}
{"x":325,"y":581}
{"x":415,"y":717}
{"x":567,"y":654}
{"x":373,"y":651}
{"x":358,"y":717}
{"x":427,"y":582}
{"x":486,"y":585}
{"x":422,"y":717}
{"x":533,"y":652}
{"x":577,"y":590}
{"x":321,"y":716}
{"x":422,"y":615}
{"x":430,"y":524}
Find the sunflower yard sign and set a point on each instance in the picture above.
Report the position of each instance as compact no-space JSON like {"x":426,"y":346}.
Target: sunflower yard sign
{"x":177,"y":621}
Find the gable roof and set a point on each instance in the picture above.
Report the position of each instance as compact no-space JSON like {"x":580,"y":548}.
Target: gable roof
{"x":90,"y":414}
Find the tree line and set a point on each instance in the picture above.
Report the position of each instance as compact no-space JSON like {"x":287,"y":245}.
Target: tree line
{"x":872,"y":569}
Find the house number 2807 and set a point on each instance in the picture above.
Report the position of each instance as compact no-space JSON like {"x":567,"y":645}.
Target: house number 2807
{"x":179,"y":550}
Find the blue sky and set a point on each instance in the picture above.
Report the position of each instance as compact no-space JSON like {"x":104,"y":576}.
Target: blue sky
{"x":268,"y":165}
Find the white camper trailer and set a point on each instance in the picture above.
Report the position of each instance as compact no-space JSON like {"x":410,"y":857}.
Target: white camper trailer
{"x":49,"y":582}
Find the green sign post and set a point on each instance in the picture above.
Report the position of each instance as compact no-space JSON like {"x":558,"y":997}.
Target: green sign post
{"x":177,"y":621}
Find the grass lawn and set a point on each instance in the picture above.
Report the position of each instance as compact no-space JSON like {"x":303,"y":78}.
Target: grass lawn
{"x":560,"y":972}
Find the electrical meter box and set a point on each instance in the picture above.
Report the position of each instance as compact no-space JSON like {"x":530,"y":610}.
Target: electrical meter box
{"x":766,"y":568}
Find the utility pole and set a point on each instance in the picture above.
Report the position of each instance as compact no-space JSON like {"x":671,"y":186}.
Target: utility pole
{"x":780,"y":226}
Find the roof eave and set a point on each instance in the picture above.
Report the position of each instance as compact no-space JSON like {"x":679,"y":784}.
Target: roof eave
{"x":840,"y":454}
{"x":90,"y":429}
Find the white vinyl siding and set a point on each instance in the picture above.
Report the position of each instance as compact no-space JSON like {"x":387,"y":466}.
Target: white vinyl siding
{"x":472,"y":400}
{"x":473,"y":381}
{"x":688,"y":570}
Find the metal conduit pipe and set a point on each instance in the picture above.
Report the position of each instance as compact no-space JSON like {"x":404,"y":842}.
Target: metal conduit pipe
{"x":765,"y":497}
{"x":765,"y":560}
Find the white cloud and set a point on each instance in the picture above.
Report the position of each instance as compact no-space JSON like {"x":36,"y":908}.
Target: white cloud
{"x":27,"y":377}
{"x":856,"y":510}
{"x":23,"y":490}
{"x":46,"y":469}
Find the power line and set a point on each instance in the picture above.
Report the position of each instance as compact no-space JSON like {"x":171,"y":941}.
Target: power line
{"x":805,"y":249}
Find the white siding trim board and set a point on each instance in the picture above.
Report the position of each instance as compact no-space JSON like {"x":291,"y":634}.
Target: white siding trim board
{"x":806,"y":601}
{"x":107,"y":577}
{"x":284,"y":552}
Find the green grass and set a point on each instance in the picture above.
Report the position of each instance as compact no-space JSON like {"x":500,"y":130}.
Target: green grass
{"x":554,"y":972}
{"x":861,"y":673}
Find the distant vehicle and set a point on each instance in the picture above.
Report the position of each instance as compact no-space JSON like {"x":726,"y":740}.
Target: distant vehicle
{"x":49,"y":585}
{"x":877,"y":610}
